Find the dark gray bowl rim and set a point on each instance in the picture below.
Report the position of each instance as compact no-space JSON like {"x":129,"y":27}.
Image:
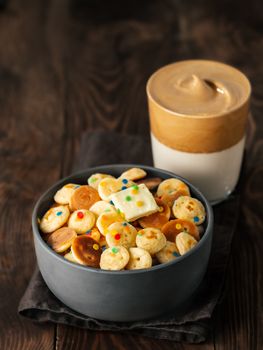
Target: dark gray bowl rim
{"x":37,"y":235}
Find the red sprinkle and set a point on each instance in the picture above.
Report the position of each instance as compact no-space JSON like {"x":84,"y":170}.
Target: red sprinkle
{"x":117,"y":236}
{"x":80,"y":215}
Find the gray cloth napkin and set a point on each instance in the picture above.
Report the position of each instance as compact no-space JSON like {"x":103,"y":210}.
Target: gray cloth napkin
{"x":193,"y":323}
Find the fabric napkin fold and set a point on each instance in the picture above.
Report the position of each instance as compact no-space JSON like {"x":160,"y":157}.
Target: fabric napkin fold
{"x":193,"y":323}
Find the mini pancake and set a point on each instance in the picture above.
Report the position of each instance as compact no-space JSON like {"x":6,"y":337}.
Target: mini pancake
{"x":54,"y":218}
{"x":106,"y":219}
{"x":63,"y":195}
{"x":151,"y":182}
{"x":95,"y":179}
{"x":173,"y":227}
{"x":81,"y":220}
{"x":114,"y":258}
{"x":171,"y":189}
{"x":168,"y":253}
{"x":185,"y":242}
{"x":94,"y":233}
{"x":133,"y":174}
{"x":189,"y":208}
{"x":86,"y":251}
{"x":70,"y":257}
{"x":139,"y":259}
{"x":121,"y":233}
{"x":169,"y":198}
{"x":157,"y":219}
{"x":151,"y":239}
{"x":61,"y":239}
{"x":83,"y":198}
{"x":102,"y":207}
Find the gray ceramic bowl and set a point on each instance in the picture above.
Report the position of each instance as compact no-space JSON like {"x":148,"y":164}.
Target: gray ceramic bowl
{"x":122,"y":295}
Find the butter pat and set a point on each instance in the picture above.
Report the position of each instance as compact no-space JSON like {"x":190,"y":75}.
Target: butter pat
{"x":135,"y":202}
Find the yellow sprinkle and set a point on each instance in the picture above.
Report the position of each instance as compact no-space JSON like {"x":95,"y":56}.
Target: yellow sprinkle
{"x":113,"y":232}
{"x":96,"y":246}
{"x":139,"y":203}
{"x":134,"y":191}
{"x":160,"y":209}
{"x":178,"y":226}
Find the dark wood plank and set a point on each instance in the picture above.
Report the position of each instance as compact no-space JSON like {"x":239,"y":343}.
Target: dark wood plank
{"x":71,"y":338}
{"x":31,"y":131}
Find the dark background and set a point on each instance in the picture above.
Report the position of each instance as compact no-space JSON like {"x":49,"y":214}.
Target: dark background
{"x":70,"y":66}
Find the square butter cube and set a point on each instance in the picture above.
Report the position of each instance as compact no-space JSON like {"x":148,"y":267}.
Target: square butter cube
{"x":135,"y":202}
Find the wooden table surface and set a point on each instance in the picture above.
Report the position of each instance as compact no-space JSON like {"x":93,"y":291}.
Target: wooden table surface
{"x":69,"y":66}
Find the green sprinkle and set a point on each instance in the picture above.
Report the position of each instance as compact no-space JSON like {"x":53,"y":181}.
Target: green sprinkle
{"x":135,"y":187}
{"x":128,"y":198}
{"x":118,"y":211}
{"x":93,"y":179}
{"x":114,"y":250}
{"x":107,"y":210}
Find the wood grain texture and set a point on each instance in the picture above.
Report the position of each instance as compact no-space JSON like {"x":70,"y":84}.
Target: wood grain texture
{"x":30,"y":101}
{"x":69,"y":66}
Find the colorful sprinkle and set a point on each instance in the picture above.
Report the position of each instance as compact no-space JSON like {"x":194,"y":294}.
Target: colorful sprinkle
{"x":80,"y":215}
{"x":103,"y":248}
{"x":96,"y":246}
{"x":178,"y":226}
{"x":160,"y":209}
{"x":111,"y":202}
{"x":118,"y":211}
{"x":124,"y":224}
{"x":93,"y":179}
{"x":107,"y":210}
{"x":135,"y":189}
{"x":113,"y":232}
{"x":176,"y":254}
{"x":196,"y":219}
{"x":88,"y":232}
{"x":124,"y":188}
{"x":124,"y":181}
{"x":128,"y":198}
{"x":139,"y":203}
{"x":117,"y":236}
{"x":114,"y":250}
{"x":77,"y":186}
{"x":59,"y":213}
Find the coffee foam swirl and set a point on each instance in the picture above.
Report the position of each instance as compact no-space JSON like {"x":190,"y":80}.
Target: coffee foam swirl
{"x":198,"y":106}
